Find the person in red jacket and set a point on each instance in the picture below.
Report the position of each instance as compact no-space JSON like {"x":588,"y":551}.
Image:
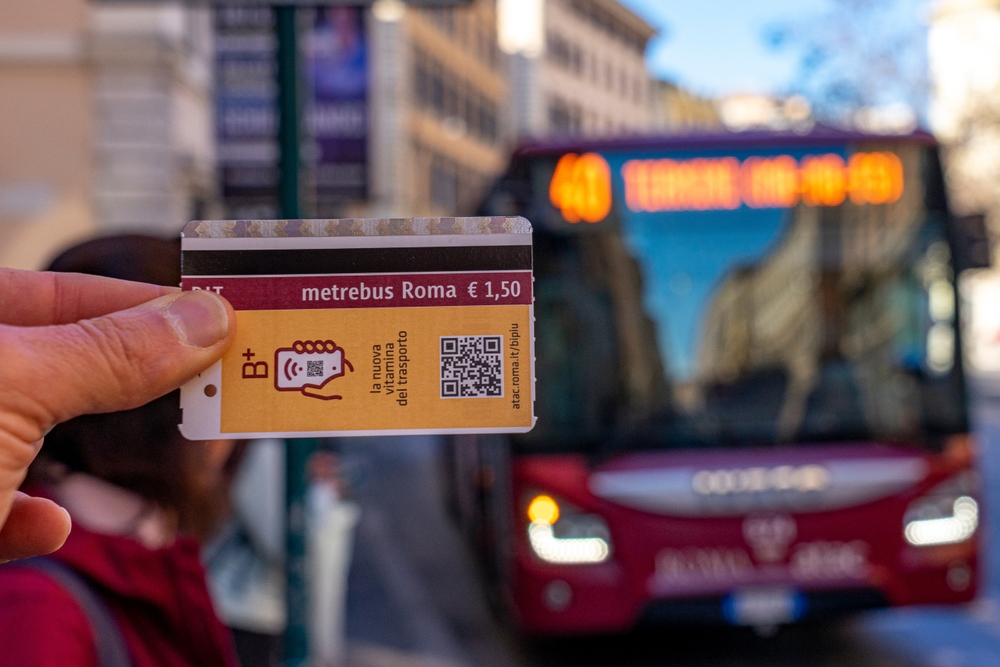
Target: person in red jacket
{"x":140,"y":497}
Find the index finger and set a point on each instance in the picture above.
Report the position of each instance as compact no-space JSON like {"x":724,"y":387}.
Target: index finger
{"x":41,"y":298}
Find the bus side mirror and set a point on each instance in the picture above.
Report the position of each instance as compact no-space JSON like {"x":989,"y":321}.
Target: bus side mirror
{"x":971,"y":243}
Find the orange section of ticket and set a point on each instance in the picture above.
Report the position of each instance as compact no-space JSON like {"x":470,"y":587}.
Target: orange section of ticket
{"x":379,"y":369}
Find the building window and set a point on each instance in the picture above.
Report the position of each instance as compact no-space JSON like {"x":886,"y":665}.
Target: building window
{"x":444,"y":184}
{"x":437,"y":90}
{"x":463,"y":27}
{"x":483,"y":46}
{"x":564,"y":117}
{"x":451,"y":95}
{"x":444,"y":19}
{"x":483,"y":119}
{"x":447,"y":185}
{"x":564,"y":53}
{"x":470,"y":30}
{"x":602,"y":20}
{"x":422,"y":82}
{"x":557,"y":49}
{"x":446,"y":95}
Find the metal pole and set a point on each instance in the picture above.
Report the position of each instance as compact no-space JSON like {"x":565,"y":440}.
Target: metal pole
{"x":296,"y":641}
{"x":288,"y":112}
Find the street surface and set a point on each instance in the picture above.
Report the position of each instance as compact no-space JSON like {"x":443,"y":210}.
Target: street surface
{"x":415,"y":600}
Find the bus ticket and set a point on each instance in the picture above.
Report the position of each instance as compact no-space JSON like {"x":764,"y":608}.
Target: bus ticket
{"x":365,"y":327}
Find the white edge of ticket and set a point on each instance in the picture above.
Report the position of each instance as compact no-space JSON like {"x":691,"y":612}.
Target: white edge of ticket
{"x":203,"y":416}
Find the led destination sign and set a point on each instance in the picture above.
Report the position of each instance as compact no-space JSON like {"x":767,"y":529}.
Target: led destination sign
{"x":581,"y":187}
{"x":761,"y":182}
{"x":581,"y":184}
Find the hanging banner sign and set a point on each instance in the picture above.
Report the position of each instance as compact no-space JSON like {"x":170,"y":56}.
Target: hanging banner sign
{"x":336,"y":73}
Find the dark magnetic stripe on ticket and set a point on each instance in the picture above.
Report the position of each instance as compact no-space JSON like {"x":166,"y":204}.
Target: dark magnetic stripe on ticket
{"x":355,"y":260}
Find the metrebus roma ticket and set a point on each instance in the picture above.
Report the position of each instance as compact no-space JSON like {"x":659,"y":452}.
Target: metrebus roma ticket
{"x":365,"y":327}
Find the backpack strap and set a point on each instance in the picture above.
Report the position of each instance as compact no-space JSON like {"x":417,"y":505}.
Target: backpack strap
{"x":108,"y":639}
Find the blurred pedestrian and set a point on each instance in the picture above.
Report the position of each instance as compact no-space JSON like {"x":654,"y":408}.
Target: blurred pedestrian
{"x":127,"y":587}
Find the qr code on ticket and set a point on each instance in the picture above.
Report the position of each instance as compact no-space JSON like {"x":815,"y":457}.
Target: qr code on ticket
{"x":471,"y":366}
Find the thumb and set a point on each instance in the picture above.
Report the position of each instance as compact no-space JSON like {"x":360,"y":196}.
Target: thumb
{"x":115,"y":362}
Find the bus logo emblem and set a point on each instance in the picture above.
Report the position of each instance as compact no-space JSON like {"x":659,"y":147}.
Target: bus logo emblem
{"x":769,"y":536}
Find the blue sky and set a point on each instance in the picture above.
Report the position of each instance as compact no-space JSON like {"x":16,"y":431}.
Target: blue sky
{"x":716,"y":47}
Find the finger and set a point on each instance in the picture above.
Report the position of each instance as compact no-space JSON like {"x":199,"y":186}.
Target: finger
{"x":37,"y":298}
{"x":115,"y":362}
{"x":34,"y":527}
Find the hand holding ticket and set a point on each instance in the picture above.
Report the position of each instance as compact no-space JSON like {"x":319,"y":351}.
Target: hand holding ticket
{"x":356,"y":327}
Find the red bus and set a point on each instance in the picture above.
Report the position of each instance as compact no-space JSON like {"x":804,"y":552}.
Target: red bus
{"x":750,"y":398}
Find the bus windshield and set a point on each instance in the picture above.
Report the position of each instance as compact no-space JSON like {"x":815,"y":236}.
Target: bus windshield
{"x":743,"y":298}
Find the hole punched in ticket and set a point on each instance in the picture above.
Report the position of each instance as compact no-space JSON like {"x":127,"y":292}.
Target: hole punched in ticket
{"x":365,"y":327}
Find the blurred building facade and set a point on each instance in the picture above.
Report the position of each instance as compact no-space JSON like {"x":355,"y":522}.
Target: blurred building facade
{"x":750,"y":111}
{"x":438,"y":94}
{"x":677,"y":110}
{"x":964,"y":54}
{"x":107,"y":122}
{"x":964,"y":59}
{"x":141,"y":116}
{"x":588,"y":76}
{"x":419,"y":131}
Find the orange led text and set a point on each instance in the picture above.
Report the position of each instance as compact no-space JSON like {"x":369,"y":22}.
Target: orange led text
{"x":581,"y":187}
{"x":779,"y":181}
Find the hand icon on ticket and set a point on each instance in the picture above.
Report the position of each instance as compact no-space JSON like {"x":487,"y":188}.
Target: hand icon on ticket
{"x":308,"y":366}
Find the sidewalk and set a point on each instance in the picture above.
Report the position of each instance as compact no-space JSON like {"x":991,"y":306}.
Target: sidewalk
{"x":375,"y":655}
{"x":941,"y":637}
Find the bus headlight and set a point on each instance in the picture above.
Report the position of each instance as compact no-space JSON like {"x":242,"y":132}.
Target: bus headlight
{"x":562,"y":535}
{"x":947,"y":515}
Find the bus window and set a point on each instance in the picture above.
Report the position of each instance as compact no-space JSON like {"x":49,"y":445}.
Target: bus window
{"x":745,"y":299}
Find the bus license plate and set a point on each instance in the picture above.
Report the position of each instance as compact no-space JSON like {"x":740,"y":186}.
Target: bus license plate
{"x":763,"y":606}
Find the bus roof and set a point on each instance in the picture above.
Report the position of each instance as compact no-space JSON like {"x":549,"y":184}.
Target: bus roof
{"x":750,"y":139}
